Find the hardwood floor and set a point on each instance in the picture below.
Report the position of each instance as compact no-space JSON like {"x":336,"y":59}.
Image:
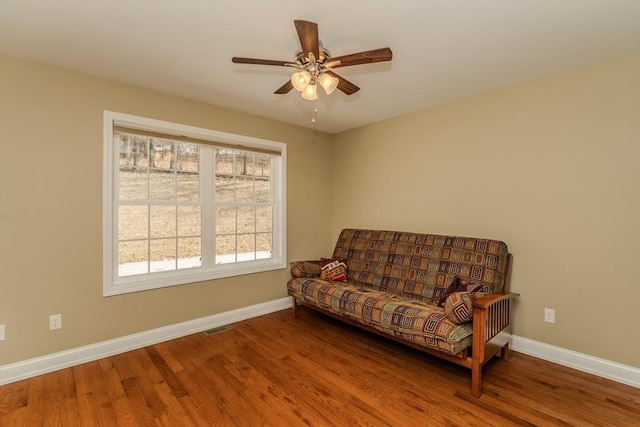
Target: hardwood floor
{"x":278,"y":371}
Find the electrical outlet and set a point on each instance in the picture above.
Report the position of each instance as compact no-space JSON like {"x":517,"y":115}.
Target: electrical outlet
{"x":1,"y":332}
{"x":55,"y":321}
{"x":549,"y":315}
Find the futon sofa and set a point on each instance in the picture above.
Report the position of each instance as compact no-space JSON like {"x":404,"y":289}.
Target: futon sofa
{"x":445,"y":295}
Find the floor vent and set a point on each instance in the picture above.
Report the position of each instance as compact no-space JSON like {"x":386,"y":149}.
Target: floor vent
{"x":217,"y":330}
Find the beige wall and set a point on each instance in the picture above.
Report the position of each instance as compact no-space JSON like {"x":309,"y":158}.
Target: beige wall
{"x":552,"y":167}
{"x":51,"y":211}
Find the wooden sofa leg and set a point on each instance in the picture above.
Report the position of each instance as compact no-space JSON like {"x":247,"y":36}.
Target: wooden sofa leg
{"x":506,"y":352}
{"x":293,"y":307}
{"x":476,"y":379}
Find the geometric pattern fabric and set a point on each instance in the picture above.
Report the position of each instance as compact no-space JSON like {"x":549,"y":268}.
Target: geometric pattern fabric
{"x":458,"y":307}
{"x":419,"y":265}
{"x":411,"y":320}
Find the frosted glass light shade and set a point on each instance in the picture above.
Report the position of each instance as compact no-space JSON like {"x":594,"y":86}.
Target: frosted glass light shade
{"x":328,"y":83}
{"x":310,"y":92}
{"x":300,"y":80}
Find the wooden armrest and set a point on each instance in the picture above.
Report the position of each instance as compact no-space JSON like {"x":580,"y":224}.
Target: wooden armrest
{"x":488,"y":300}
{"x":491,"y":316}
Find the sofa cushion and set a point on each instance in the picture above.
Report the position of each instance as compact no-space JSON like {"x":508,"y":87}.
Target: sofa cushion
{"x":334,"y":270}
{"x":305,"y":269}
{"x":418,"y":265}
{"x":409,"y":319}
{"x":458,"y":307}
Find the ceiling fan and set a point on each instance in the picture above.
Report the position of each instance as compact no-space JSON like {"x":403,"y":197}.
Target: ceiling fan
{"x":314,"y":64}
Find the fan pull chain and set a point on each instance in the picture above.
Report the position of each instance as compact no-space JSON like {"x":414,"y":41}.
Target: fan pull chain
{"x":315,"y":110}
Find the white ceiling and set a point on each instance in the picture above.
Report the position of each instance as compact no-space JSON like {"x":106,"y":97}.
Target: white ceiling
{"x":443,"y":50}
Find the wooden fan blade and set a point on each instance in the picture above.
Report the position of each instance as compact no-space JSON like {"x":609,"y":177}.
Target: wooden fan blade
{"x":344,"y":85}
{"x":238,"y":60}
{"x":368,"y":57}
{"x":308,"y":35}
{"x":285,"y":88}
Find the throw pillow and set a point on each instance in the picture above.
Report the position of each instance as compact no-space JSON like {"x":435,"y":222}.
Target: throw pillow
{"x":479,"y":287}
{"x":457,"y":285}
{"x":334,"y":270}
{"x":458,"y":307}
{"x":305,"y":269}
{"x":466,"y":286}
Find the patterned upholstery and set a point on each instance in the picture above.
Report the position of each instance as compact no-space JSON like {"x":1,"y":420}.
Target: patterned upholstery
{"x":420,"y":265}
{"x":411,"y":320}
{"x":396,"y":279}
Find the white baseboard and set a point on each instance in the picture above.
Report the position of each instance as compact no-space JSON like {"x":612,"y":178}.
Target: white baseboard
{"x":75,"y":356}
{"x":64,"y":359}
{"x":580,"y":361}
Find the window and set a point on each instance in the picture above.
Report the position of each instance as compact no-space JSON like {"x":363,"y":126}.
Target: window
{"x":185,"y":204}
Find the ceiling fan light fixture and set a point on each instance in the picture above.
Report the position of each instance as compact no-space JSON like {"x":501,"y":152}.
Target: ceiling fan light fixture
{"x":301,"y":80}
{"x":311,"y":72}
{"x":310,"y":92}
{"x":328,"y":83}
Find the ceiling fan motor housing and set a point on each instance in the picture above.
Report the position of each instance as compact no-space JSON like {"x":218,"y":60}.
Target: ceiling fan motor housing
{"x":303,"y":58}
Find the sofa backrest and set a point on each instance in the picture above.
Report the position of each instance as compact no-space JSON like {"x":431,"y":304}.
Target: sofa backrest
{"x":420,"y":265}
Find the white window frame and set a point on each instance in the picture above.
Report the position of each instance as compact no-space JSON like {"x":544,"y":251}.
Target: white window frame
{"x":115,"y":285}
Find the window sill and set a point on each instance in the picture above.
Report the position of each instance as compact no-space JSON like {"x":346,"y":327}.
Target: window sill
{"x":183,"y":277}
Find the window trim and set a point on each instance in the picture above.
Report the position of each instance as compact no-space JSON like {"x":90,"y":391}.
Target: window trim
{"x":114,"y":285}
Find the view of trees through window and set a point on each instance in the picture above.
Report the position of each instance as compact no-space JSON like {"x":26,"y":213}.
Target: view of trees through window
{"x":161,"y":205}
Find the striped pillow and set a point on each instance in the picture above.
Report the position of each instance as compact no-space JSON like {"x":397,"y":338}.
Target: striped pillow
{"x":334,"y":270}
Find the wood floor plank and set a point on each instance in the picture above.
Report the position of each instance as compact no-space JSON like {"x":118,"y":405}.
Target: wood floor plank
{"x":167,"y":373}
{"x":330,"y":369}
{"x":367,"y":375}
{"x":53,"y":399}
{"x":14,"y":396}
{"x":106,"y":411}
{"x":276,"y":370}
{"x":190,"y":410}
{"x":204,"y":398}
{"x":148,"y":377}
{"x":194,"y":412}
{"x":176,"y":414}
{"x":379,"y":365}
{"x":560,"y":391}
{"x":143,"y":414}
{"x":118,"y":396}
{"x":35,"y":407}
{"x":68,"y":395}
{"x":87,"y":404}
{"x":168,"y":357}
{"x":256,"y":365}
{"x":260,"y":392}
{"x":312,"y":393}
{"x":14,"y":399}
